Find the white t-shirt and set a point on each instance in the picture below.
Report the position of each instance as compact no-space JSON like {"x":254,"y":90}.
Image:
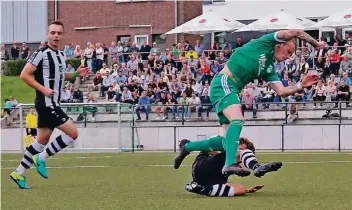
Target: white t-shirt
{"x":194,"y":101}
{"x":100,"y":50}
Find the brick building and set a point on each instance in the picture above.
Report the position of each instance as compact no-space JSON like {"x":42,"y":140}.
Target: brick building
{"x":106,"y":21}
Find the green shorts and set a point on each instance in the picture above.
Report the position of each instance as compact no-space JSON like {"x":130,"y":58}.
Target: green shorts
{"x":223,"y":93}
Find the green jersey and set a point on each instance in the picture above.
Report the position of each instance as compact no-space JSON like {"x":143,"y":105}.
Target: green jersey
{"x":254,"y":60}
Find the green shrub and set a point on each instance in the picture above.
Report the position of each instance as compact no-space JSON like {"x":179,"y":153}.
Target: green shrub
{"x":14,"y":67}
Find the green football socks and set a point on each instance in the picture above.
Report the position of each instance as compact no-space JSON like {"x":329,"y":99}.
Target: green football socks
{"x":215,"y":143}
{"x":231,"y":141}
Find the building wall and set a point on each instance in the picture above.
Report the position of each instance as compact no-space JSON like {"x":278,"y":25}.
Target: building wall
{"x":23,"y":21}
{"x":115,"y":18}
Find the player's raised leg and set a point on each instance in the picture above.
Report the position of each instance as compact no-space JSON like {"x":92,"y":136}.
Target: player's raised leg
{"x":249,"y":160}
{"x":214,"y":143}
{"x":58,"y":144}
{"x":36,"y":147}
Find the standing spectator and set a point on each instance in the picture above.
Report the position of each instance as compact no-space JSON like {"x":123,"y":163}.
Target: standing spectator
{"x":199,"y":48}
{"x":227,"y":46}
{"x":24,"y":51}
{"x":68,"y":50}
{"x":155,"y":49}
{"x":106,"y":53}
{"x":145,"y":50}
{"x":239,"y":42}
{"x":31,"y":123}
{"x":334,"y":62}
{"x":143,"y":105}
{"x":343,"y":93}
{"x":4,"y":55}
{"x":15,"y":51}
{"x":99,"y":56}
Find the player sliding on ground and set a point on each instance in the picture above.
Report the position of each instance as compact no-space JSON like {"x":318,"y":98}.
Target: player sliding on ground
{"x":45,"y":72}
{"x":207,"y":172}
{"x":252,"y":61}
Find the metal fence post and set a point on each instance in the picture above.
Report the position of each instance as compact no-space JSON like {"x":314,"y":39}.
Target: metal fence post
{"x":119,"y":135}
{"x":175,"y":145}
{"x":133,"y":124}
{"x":283,"y":137}
{"x":21,"y":127}
{"x":340,"y":121}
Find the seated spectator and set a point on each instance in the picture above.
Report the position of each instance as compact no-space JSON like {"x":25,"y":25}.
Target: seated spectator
{"x":205,"y":104}
{"x":126,"y":96}
{"x":175,"y":89}
{"x":319,"y":94}
{"x":143,"y":105}
{"x":343,"y":93}
{"x":97,"y":81}
{"x":120,"y":78}
{"x":205,"y":73}
{"x":151,"y":94}
{"x":66,"y":96}
{"x":77,"y":96}
{"x":91,"y":109}
{"x":194,"y":103}
{"x":216,"y":68}
{"x":184,"y":72}
{"x":345,"y":78}
{"x":227,"y":53}
{"x":221,"y":59}
{"x":107,"y":80}
{"x":114,"y":70}
{"x":184,"y":102}
{"x":172,"y":107}
{"x":248,"y":103}
{"x":254,"y":91}
{"x":345,"y":65}
{"x":303,"y":66}
{"x":110,"y":95}
{"x":268,"y":95}
{"x":193,"y":63}
{"x":188,"y":90}
{"x":105,"y":69}
{"x":331,"y":93}
{"x":132,"y":64}
{"x":161,"y":108}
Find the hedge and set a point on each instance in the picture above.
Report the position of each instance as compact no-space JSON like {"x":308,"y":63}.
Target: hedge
{"x":14,"y":67}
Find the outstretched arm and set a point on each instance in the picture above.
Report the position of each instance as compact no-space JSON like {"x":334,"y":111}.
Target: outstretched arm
{"x":285,"y":91}
{"x":297,"y":33}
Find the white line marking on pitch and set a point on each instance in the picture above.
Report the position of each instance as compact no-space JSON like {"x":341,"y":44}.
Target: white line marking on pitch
{"x":195,"y":154}
{"x":160,"y":165}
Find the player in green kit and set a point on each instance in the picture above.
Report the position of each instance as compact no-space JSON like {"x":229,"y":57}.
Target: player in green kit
{"x":252,"y":61}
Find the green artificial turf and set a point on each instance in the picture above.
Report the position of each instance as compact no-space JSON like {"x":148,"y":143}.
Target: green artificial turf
{"x":148,"y":181}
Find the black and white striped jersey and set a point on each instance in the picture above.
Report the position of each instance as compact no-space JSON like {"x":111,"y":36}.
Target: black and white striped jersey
{"x":51,"y":67}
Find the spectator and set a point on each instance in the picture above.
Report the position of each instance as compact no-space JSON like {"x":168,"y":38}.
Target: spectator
{"x":155,"y":49}
{"x":199,"y":48}
{"x":132,"y":64}
{"x":88,"y":53}
{"x":248,"y":103}
{"x":25,"y":51}
{"x":331,"y":93}
{"x":97,"y":82}
{"x":194,"y":104}
{"x":6,"y":113}
{"x":345,"y":65}
{"x":69,"y":50}
{"x":107,"y":80}
{"x":346,"y":79}
{"x":161,"y":108}
{"x":334,"y":62}
{"x":184,"y":102}
{"x":31,"y":123}
{"x":14,"y":102}
{"x":91,"y":109}
{"x":172,"y":106}
{"x":104,"y":70}
{"x":319,"y":94}
{"x":268,"y":95}
{"x":99,"y":50}
{"x":145,"y":50}
{"x":143,"y":105}
{"x":254,"y":91}
{"x":77,"y":96}
{"x":120,"y":79}
{"x":239,"y":42}
{"x":66,"y":96}
{"x":126,"y":51}
{"x":4,"y":55}
{"x":126,"y":96}
{"x":292,"y":113}
{"x":205,"y":104}
{"x":15,"y":51}
{"x":343,"y":93}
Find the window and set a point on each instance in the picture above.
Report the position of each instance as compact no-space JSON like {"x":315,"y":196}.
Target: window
{"x":207,"y":2}
{"x":123,"y":38}
{"x":139,"y":39}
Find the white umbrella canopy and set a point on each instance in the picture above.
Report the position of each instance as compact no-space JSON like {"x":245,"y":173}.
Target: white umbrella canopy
{"x":341,"y":19}
{"x":278,"y":21}
{"x":207,"y":23}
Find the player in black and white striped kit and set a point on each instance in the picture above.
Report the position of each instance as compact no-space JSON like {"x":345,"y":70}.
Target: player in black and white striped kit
{"x":48,"y":66}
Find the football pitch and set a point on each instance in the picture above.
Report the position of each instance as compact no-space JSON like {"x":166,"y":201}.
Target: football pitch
{"x":148,"y":181}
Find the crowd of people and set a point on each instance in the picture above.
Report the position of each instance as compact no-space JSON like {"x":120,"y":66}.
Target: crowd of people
{"x":177,"y":81}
